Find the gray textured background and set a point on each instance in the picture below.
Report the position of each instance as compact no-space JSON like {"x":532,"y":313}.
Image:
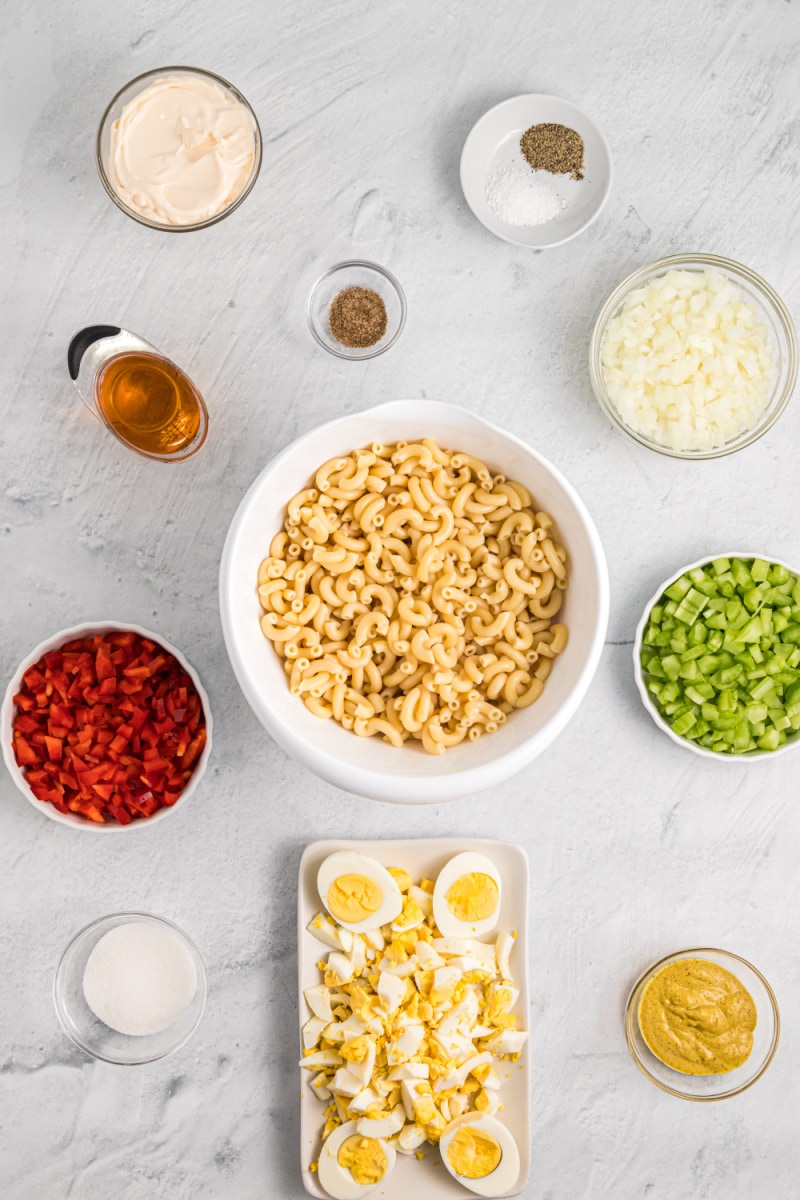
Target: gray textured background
{"x":637,"y":848}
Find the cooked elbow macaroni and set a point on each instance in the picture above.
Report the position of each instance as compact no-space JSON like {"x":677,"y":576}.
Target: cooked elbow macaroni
{"x":413,"y":594}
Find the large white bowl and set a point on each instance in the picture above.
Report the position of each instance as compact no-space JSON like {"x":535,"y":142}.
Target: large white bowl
{"x":9,"y":708}
{"x":641,"y":684}
{"x":369,"y":766}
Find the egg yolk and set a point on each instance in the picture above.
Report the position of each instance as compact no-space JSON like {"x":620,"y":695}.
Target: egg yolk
{"x":473,"y":1153}
{"x":364,"y":1158}
{"x":354,"y":898}
{"x":472,"y":897}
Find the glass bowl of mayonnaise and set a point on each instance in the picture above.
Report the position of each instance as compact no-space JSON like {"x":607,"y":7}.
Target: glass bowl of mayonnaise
{"x":178,"y":149}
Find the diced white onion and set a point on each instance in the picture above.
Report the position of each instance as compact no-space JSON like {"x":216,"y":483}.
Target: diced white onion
{"x":686,"y":361}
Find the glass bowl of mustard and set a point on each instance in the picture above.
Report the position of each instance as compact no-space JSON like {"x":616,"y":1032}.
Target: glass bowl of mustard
{"x":702,"y":1024}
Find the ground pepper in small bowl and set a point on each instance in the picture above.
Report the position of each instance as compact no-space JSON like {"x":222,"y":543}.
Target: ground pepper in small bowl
{"x":358,"y":317}
{"x":553,"y":148}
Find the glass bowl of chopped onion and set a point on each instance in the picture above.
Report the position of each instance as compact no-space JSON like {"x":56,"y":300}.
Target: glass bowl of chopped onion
{"x":694,"y":356}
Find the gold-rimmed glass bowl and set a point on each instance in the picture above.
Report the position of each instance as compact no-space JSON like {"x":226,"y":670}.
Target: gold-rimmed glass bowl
{"x":771,"y":311}
{"x":112,"y":114}
{"x":704,"y":1088}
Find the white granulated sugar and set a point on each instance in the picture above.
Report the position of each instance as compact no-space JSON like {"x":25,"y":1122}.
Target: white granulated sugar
{"x":139,"y":978}
{"x":520,"y":196}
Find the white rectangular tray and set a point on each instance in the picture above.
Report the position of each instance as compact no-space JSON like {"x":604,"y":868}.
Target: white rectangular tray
{"x":423,"y":857}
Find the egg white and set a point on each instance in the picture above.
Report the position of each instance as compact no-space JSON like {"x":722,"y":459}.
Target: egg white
{"x":349,"y":862}
{"x":449,"y":925}
{"x":338,"y":1181}
{"x":505,"y":1174}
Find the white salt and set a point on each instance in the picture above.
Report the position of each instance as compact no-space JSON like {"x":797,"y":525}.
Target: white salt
{"x":520,"y":196}
{"x":139,"y":978}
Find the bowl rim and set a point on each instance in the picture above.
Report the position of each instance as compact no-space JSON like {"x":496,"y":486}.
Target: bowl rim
{"x":750,"y":756}
{"x":7,"y":708}
{"x":234,"y":204}
{"x":631,"y":1019}
{"x":385,"y":343}
{"x":429,"y":788}
{"x":724,"y":265}
{"x":202,"y":983}
{"x":596,"y":130}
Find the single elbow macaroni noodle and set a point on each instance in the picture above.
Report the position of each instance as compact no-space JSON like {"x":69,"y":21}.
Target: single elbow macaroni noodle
{"x":412,"y":594}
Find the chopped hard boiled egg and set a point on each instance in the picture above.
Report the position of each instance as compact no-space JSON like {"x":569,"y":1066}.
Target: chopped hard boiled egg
{"x":480,"y":1153}
{"x":358,"y":892}
{"x":351,"y":1165}
{"x":413,"y":1014}
{"x":466,"y":898}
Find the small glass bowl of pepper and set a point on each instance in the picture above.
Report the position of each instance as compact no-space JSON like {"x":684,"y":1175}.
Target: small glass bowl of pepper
{"x":356,"y":310}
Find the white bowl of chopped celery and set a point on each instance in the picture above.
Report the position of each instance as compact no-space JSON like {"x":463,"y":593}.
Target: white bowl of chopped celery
{"x":717,"y":657}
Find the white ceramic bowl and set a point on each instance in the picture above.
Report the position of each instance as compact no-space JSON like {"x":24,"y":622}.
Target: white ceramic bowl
{"x":368,"y":766}
{"x":497,"y":134}
{"x":686,"y":744}
{"x":8,"y":710}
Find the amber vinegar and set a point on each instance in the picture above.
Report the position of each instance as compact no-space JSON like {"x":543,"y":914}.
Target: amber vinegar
{"x":151,"y":405}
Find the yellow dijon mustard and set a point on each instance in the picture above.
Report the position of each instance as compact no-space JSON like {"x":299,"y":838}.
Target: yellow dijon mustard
{"x":697,"y":1018}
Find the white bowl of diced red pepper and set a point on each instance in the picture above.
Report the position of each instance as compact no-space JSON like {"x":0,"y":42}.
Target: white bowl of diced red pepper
{"x":106,"y":727}
{"x":716,"y":657}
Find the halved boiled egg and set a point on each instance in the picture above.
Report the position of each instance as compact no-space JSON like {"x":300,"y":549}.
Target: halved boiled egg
{"x":351,"y":1166}
{"x":466,"y":898}
{"x":480,"y":1153}
{"x":358,"y":892}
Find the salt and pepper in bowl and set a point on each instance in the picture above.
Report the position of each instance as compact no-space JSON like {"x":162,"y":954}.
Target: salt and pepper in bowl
{"x":535,"y":170}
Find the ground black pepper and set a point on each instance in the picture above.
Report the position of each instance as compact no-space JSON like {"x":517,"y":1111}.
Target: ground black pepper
{"x":358,"y":317}
{"x":553,"y":148}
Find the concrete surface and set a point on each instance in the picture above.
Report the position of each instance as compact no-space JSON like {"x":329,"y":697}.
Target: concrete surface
{"x":637,"y":848}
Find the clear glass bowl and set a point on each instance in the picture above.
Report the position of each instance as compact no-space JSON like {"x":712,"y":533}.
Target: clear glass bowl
{"x":704,"y":1088}
{"x":771,"y":310}
{"x":356,"y":274}
{"x":112,"y":114}
{"x":90,"y":1033}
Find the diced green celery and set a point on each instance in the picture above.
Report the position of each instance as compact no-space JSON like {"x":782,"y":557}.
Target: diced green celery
{"x":655,"y":667}
{"x":709,"y":712}
{"x":672,"y":666}
{"x":678,"y":589}
{"x":709,"y":663}
{"x":717,"y":621}
{"x":741,"y":576}
{"x":726,"y":586}
{"x":794,"y":657}
{"x":699,"y":728}
{"x":756,"y":713}
{"x":690,"y":671}
{"x":755,"y":650}
{"x":781,"y":722}
{"x":683,"y":724}
{"x":752,"y":631}
{"x":761,"y":688}
{"x":669,"y":608}
{"x":784,"y":678}
{"x":757,"y":728}
{"x":770,"y":740}
{"x":690,"y":607}
{"x":697,"y":574}
{"x":670,"y":692}
{"x":778,"y":574}
{"x":700,"y":693}
{"x":791,"y":635}
{"x":759,"y":569}
{"x":693,"y":652}
{"x":697,"y":634}
{"x":727,"y":701}
{"x":779,"y":622}
{"x":742,"y":736}
{"x":656,"y":613}
{"x":721,"y":565}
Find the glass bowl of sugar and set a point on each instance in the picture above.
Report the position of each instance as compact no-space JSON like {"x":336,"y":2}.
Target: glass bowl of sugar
{"x":130,"y":988}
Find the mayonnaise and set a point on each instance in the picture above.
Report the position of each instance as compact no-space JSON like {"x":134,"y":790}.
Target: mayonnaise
{"x":181,"y":151}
